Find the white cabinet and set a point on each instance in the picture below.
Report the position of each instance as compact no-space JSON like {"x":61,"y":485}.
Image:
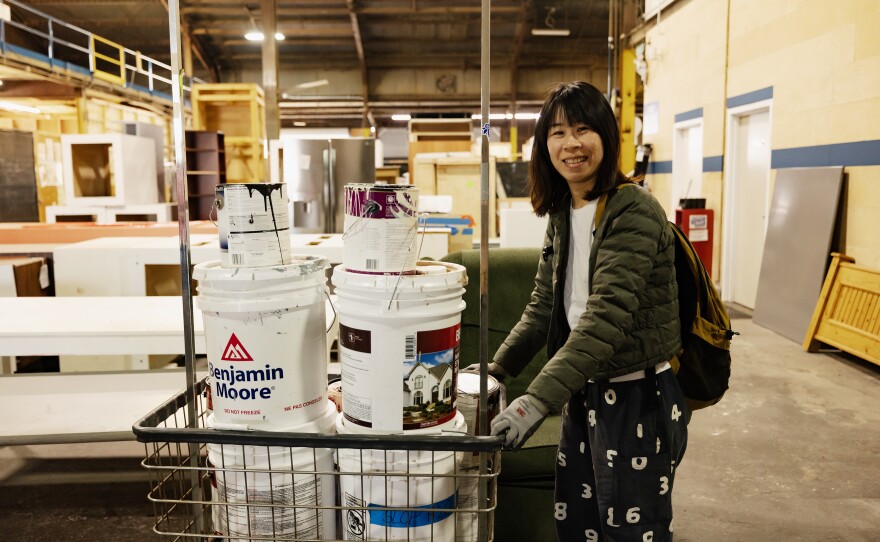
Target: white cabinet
{"x":108,"y":169}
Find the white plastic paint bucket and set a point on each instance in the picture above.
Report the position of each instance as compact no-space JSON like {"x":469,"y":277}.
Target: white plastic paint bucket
{"x":380,"y":228}
{"x":265,"y":341}
{"x":381,"y":489}
{"x":289,"y":482}
{"x":253,"y":224}
{"x":399,"y":346}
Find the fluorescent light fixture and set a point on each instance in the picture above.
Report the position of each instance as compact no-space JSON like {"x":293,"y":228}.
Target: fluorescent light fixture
{"x":19,"y":108}
{"x":551,"y":32}
{"x":313,"y":84}
{"x":258,"y":36}
{"x":493,"y":116}
{"x":401,"y":116}
{"x":527,"y":116}
{"x":299,"y":123}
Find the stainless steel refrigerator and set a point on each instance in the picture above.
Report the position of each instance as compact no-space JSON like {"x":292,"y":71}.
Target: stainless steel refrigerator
{"x":317,"y":171}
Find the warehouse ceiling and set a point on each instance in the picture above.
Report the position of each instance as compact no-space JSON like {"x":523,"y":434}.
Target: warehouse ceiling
{"x":368,"y":38}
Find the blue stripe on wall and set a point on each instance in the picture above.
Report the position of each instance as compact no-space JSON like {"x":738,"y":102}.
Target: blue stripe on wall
{"x":655,"y":168}
{"x":858,"y":153}
{"x":750,"y":97}
{"x":689,"y":115}
{"x":712,"y":164}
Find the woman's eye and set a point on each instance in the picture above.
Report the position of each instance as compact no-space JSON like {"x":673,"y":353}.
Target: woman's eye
{"x":582,"y":129}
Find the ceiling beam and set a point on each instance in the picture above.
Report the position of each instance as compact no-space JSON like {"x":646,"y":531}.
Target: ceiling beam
{"x":359,"y":46}
{"x":211,"y":67}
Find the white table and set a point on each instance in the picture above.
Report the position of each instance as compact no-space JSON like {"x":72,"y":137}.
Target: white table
{"x":41,"y":326}
{"x":81,"y":407}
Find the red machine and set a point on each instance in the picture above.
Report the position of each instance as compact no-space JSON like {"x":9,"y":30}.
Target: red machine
{"x":698,"y":225}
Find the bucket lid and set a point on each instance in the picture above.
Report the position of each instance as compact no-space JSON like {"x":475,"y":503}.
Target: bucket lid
{"x":381,"y":187}
{"x":301,"y":265}
{"x":469,"y":383}
{"x":430,"y":275}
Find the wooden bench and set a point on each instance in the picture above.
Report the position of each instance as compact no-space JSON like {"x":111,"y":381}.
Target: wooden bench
{"x":847,"y":315}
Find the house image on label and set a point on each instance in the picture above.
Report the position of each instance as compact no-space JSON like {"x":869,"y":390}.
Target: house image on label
{"x":426,"y":384}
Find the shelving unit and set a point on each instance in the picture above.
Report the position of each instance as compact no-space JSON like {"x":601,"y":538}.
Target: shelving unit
{"x":238,"y":111}
{"x":205,"y":169}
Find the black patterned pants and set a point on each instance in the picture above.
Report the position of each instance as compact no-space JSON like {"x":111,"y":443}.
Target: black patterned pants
{"x":620,"y":446}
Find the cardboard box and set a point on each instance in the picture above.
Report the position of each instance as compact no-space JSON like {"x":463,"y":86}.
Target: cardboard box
{"x":23,"y":277}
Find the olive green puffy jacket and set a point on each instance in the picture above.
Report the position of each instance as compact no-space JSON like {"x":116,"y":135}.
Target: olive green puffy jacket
{"x":631,"y":320}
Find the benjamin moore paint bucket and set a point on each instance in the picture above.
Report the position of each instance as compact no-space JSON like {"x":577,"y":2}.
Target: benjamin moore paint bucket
{"x":247,"y":477}
{"x":399,"y":346}
{"x":380,"y":228}
{"x":253,"y":223}
{"x":388,"y":484}
{"x":265,"y":339}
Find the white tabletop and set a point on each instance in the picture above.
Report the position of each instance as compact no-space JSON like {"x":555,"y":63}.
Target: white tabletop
{"x":33,"y":326}
{"x":57,"y":408}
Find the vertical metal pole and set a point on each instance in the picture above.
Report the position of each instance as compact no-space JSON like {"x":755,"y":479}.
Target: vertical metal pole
{"x":183,"y":233}
{"x":270,"y":69}
{"x":485,"y":69}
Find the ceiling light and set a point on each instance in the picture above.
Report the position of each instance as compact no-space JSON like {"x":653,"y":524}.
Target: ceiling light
{"x":551,"y":32}
{"x":258,"y":36}
{"x":550,"y":26}
{"x":10,"y":106}
{"x":299,"y":123}
{"x":313,"y":84}
{"x":401,"y":116}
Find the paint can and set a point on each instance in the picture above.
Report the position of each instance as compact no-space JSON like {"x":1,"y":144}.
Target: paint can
{"x":469,"y":399}
{"x":265,"y":342}
{"x":253,"y":224}
{"x":399,"y":340}
{"x":381,"y":226}
{"x":295,"y":486}
{"x":380,"y":488}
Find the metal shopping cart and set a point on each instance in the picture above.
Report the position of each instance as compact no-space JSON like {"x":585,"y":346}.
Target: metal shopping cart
{"x":208,"y":484}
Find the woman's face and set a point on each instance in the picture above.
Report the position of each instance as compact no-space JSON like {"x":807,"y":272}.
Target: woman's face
{"x":576,"y":153}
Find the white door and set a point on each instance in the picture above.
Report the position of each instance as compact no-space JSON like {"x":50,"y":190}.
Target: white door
{"x":687,"y":163}
{"x":748,"y":190}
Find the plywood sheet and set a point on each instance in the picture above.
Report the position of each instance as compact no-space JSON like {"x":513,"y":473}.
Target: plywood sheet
{"x":797,"y":248}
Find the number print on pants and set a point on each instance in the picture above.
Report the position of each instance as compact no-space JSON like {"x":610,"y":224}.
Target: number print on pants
{"x":561,"y":511}
{"x":588,"y":492}
{"x":560,"y":458}
{"x":664,"y":485}
{"x":648,"y":537}
{"x":591,"y":536}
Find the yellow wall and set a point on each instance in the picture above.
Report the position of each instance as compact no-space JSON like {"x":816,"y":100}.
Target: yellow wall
{"x":822,"y":60}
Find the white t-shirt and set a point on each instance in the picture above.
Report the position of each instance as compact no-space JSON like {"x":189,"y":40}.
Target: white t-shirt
{"x":577,"y":270}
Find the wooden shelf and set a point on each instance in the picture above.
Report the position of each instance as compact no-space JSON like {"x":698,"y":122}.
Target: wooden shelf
{"x":205,"y":155}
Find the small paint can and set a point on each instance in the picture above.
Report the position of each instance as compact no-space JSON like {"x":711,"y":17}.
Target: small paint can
{"x":253,"y":224}
{"x":381,"y":226}
{"x":469,"y":399}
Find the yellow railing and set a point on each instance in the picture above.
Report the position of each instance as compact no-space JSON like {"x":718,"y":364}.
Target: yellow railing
{"x":118,"y":77}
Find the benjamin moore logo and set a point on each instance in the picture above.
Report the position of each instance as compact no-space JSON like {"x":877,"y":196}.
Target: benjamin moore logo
{"x":235,"y":351}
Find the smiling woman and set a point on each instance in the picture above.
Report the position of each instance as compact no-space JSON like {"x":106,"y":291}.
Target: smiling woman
{"x":605,"y":304}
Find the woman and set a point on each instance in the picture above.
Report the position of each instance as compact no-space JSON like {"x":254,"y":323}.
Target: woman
{"x":605,"y":304}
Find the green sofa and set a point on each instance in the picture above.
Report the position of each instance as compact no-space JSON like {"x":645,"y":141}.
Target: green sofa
{"x":525,"y":485}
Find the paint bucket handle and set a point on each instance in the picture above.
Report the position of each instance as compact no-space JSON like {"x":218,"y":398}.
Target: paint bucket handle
{"x":215,"y":206}
{"x":370,"y":207}
{"x":333,"y":308}
{"x":418,"y":254}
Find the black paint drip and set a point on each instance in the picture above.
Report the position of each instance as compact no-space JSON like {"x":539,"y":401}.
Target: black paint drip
{"x":265,"y":190}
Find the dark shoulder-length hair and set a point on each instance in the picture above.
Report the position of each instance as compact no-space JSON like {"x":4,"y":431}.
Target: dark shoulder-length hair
{"x":579,"y":103}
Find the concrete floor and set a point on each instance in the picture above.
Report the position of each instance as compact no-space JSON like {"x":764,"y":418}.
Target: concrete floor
{"x":792,"y":453}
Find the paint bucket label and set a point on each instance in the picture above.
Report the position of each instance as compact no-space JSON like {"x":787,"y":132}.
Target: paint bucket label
{"x":399,"y":340}
{"x":253,"y":224}
{"x":380,"y":228}
{"x":428,"y":363}
{"x":265,"y":342}
{"x":289,"y":482}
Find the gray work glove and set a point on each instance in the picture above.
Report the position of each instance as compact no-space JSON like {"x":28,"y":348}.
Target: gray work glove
{"x":519,"y":421}
{"x":493,"y":368}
